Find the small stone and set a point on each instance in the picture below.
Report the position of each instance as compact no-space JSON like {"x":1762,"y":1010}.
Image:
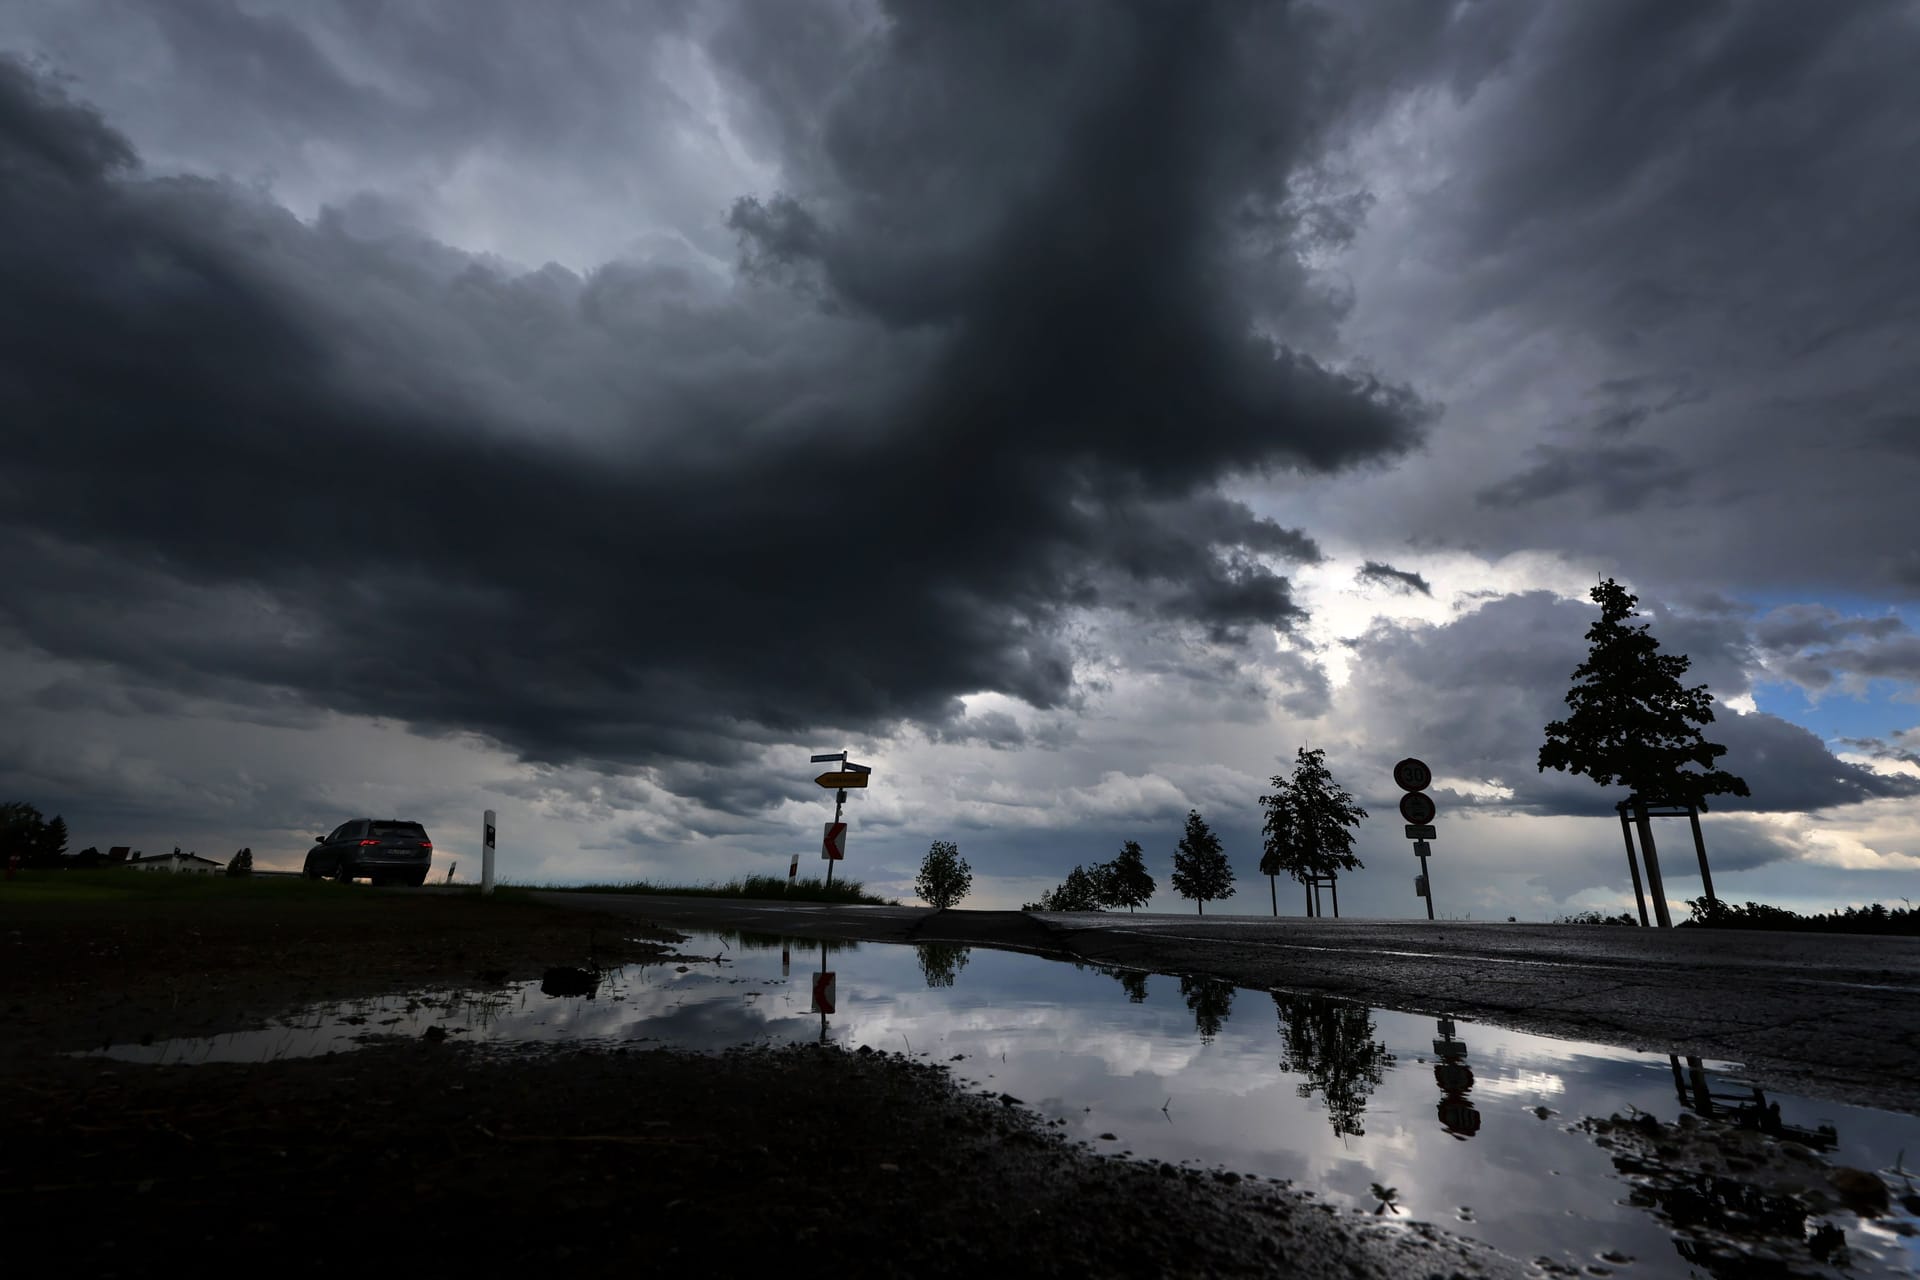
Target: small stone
{"x":1108,"y":1137}
{"x":1863,"y":1191}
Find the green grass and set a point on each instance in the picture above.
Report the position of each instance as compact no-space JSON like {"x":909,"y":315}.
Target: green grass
{"x":117,"y":884}
{"x":767,"y":888}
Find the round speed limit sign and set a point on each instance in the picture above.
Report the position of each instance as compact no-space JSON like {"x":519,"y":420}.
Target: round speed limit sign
{"x":1417,"y":807}
{"x":1413,"y":775}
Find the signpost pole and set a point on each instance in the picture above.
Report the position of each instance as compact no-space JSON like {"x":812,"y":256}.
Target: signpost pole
{"x":486,"y":857}
{"x":1420,"y":849}
{"x":839,"y":798}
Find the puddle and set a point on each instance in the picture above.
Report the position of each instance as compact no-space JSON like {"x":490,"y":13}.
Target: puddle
{"x":1587,"y":1158}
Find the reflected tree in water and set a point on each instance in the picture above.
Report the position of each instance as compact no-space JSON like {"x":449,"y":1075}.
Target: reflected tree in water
{"x":1135,"y":983}
{"x":1210,"y":999}
{"x":941,"y":962}
{"x":1331,"y":1043}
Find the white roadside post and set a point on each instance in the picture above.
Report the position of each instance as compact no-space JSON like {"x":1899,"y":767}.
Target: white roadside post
{"x":486,"y":857}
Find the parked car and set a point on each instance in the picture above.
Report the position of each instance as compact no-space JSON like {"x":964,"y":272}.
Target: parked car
{"x":383,"y":850}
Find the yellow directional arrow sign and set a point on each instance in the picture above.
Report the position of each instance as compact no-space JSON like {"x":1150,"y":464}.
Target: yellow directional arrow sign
{"x":843,"y":779}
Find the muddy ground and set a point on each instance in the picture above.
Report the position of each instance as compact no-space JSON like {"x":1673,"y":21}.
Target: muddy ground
{"x":429,"y":1152}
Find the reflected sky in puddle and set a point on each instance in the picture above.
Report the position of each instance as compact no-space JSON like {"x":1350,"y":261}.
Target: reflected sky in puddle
{"x":1471,"y":1127}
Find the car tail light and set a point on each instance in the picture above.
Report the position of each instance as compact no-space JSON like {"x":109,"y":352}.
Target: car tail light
{"x":426,"y":844}
{"x":365,"y":843}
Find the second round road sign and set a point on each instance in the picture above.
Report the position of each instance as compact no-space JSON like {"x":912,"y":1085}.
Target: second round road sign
{"x":1413,"y":775}
{"x":1417,"y":808}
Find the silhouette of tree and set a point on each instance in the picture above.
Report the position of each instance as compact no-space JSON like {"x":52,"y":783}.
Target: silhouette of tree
{"x":241,"y":864}
{"x":941,"y":962}
{"x":1307,"y":827}
{"x":1080,"y":891}
{"x":1331,"y":1043}
{"x":1134,"y":982}
{"x":945,"y":878}
{"x":1633,"y":723}
{"x":22,"y":833}
{"x":1200,"y":868}
{"x":53,"y":842}
{"x":1211,"y":1002}
{"x":1125,"y":882}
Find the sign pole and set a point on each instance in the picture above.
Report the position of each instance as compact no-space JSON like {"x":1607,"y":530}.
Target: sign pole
{"x":839,"y":799}
{"x":486,"y":857}
{"x":1416,"y":806}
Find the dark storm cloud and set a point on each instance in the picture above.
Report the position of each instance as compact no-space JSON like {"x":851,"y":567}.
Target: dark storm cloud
{"x":632,"y":515}
{"x":1398,"y":579}
{"x":1618,"y":477}
{"x":1706,"y":209}
{"x":1473,"y":697}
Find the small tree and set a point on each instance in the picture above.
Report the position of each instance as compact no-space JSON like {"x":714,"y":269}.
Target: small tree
{"x":1633,"y":723}
{"x":1126,"y":882}
{"x":1200,"y":867}
{"x":23,"y":833}
{"x":241,"y":864}
{"x":945,"y":878}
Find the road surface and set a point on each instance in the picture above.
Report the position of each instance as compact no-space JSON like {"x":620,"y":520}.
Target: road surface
{"x":1827,"y":1016}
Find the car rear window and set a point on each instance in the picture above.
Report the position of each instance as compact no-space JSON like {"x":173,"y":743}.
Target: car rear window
{"x":401,"y":829}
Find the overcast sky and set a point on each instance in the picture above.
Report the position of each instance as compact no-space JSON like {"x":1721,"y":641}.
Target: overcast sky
{"x":589,"y":411}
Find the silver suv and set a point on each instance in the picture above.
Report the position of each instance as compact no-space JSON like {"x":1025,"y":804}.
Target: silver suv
{"x":383,"y":850}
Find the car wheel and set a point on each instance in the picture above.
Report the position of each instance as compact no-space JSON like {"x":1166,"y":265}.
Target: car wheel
{"x":343,"y":871}
{"x":312,"y":869}
{"x":416,"y":879}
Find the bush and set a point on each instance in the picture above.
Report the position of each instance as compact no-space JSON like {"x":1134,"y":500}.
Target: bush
{"x":1594,"y":917}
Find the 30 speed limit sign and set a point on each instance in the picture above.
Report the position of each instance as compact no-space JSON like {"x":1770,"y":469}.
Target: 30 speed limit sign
{"x":1413,"y":775}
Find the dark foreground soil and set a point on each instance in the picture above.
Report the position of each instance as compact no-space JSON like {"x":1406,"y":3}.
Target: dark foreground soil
{"x":429,"y":1153}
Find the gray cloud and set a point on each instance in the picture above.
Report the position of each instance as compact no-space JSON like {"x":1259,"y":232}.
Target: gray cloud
{"x":1398,"y":579}
{"x":635,"y":515}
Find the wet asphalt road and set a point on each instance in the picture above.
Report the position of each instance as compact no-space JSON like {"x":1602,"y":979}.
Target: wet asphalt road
{"x":1827,"y":1016}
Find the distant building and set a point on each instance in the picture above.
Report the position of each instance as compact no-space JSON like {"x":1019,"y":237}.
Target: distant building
{"x":184,"y":864}
{"x":118,"y":853}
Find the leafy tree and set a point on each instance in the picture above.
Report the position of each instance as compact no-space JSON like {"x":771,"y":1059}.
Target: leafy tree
{"x":22,"y":833}
{"x":1331,"y":1043}
{"x":1210,"y":1000}
{"x":53,"y":842}
{"x":941,"y":962}
{"x":1200,"y":867}
{"x":1633,"y":723}
{"x":1080,"y":891}
{"x":1308,"y":827}
{"x":241,"y":864}
{"x":1125,"y":882}
{"x":945,"y":878}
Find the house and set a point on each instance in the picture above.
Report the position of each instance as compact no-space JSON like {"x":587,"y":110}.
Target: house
{"x":186,"y":864}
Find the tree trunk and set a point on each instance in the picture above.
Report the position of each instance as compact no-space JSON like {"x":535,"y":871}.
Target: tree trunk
{"x":1200,"y":904}
{"x":1700,"y":849}
{"x":1274,"y":893}
{"x":1655,"y":885}
{"x":1633,"y":866}
{"x":1333,"y":887}
{"x":1309,"y":892}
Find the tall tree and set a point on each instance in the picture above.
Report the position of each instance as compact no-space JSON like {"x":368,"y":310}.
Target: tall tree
{"x":945,"y":878}
{"x":1309,"y":825}
{"x":1632,"y":722}
{"x":1126,"y":882}
{"x":53,"y":842}
{"x":1200,"y":867}
{"x":1080,"y":891}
